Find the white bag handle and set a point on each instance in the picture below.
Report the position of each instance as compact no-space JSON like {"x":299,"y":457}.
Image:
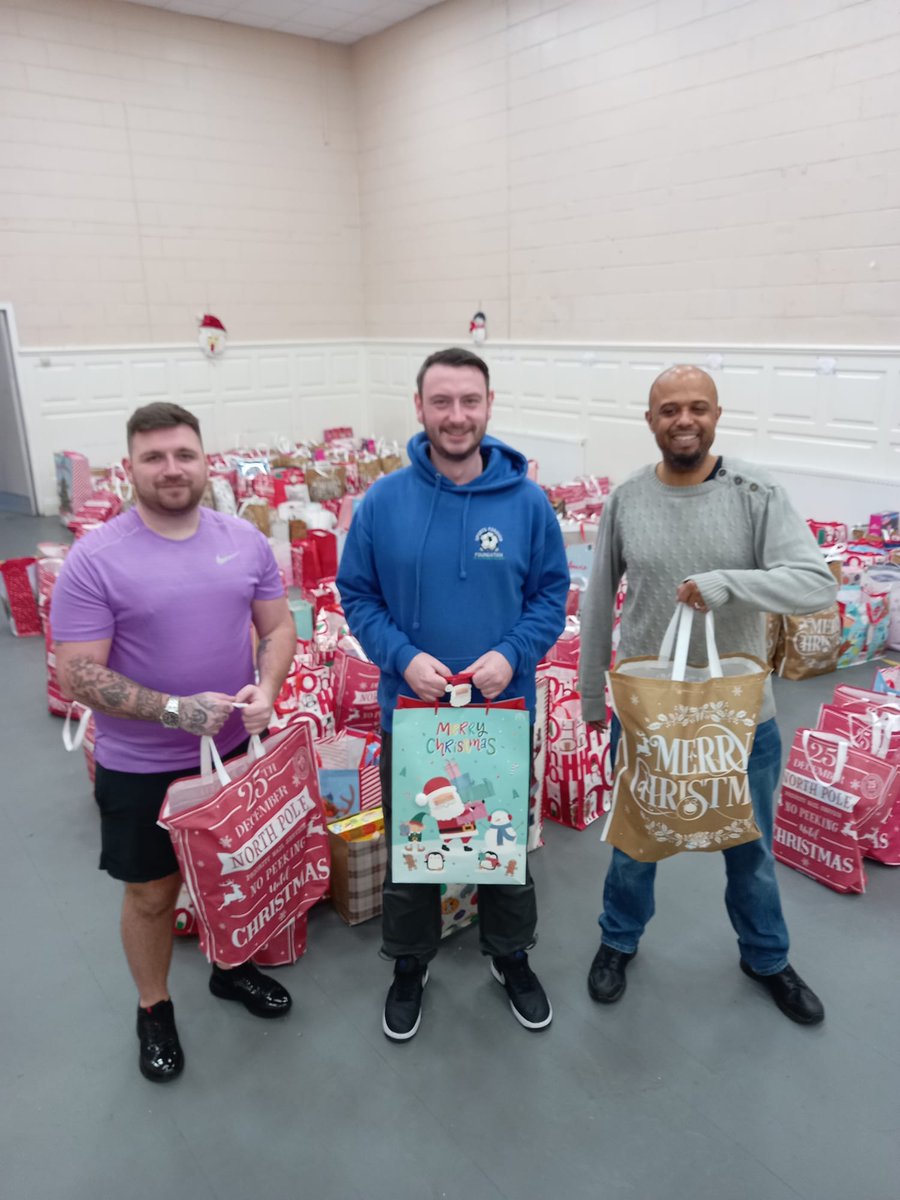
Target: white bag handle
{"x":682,"y":621}
{"x":71,"y":740}
{"x":841,"y":759}
{"x":211,"y":761}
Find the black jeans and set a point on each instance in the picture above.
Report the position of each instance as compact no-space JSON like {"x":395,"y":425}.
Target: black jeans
{"x":411,"y":918}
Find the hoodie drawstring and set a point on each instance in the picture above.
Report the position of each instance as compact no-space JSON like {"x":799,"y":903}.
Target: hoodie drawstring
{"x":462,"y":537}
{"x":417,"y":612}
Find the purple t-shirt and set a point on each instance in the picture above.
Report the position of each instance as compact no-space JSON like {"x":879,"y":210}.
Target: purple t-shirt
{"x":179,"y":617}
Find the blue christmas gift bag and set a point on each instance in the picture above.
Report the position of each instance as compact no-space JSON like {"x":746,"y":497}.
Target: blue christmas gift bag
{"x":460,"y":793}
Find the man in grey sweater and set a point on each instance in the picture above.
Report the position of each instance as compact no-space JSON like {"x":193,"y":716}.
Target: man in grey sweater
{"x":718,"y":534}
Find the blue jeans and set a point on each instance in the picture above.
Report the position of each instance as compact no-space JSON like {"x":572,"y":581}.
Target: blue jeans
{"x":751,"y":892}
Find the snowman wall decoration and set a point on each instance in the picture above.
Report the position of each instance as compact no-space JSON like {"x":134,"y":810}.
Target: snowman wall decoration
{"x":212,"y":336}
{"x":478,"y":328}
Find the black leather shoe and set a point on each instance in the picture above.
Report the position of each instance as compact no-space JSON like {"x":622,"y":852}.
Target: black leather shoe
{"x":795,"y":998}
{"x":606,"y":978}
{"x":161,"y":1057}
{"x":260,"y":994}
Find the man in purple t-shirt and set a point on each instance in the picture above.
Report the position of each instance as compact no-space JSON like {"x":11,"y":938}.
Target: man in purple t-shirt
{"x":151,"y":618}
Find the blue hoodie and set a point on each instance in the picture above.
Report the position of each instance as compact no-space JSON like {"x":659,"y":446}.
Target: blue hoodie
{"x":455,"y":571}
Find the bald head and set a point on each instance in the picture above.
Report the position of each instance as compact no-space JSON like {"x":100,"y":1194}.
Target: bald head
{"x":682,"y":413}
{"x":679,"y":377}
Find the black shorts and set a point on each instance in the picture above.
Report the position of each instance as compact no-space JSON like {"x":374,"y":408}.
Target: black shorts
{"x":133,"y":847}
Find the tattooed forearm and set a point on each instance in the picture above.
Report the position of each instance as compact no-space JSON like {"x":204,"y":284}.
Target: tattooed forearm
{"x":108,"y":692}
{"x":202,"y":714}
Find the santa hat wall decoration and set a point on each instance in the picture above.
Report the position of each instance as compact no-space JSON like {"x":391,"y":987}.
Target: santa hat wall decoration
{"x":478,"y":328}
{"x":212,"y":336}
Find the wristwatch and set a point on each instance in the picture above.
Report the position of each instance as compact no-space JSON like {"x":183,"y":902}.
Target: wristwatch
{"x":170,"y":715}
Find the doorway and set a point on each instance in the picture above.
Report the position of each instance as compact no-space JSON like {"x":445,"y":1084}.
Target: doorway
{"x":16,"y":483}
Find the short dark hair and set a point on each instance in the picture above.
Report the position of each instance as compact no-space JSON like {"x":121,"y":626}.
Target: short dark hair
{"x":160,"y":415}
{"x":454,"y":357}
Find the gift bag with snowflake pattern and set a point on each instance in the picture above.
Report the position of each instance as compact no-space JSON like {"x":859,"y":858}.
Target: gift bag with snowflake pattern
{"x":687,"y":731}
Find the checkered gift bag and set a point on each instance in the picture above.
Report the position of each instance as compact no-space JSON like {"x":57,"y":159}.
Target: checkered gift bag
{"x":358,"y":862}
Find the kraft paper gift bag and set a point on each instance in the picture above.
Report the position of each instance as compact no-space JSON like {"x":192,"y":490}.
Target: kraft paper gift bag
{"x":460,"y":793}
{"x":687,"y":732}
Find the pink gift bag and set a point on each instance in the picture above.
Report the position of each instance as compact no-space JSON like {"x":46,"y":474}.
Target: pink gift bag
{"x":251,"y":842}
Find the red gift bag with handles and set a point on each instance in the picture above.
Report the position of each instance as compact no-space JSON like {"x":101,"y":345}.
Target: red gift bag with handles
{"x":833,"y":797}
{"x":251,"y":841}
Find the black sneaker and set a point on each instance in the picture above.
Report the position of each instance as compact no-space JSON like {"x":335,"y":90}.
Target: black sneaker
{"x":403,"y":1006}
{"x":260,"y":994}
{"x":161,"y":1057}
{"x":527,"y":998}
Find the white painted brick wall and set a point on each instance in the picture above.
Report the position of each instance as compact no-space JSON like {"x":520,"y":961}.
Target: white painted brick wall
{"x":685,"y":169}
{"x":155,"y":165}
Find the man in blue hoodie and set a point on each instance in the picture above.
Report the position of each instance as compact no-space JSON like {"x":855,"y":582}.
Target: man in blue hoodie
{"x":454,"y":565}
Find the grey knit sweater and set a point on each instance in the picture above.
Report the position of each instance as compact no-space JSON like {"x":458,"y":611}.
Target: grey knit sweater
{"x":736,"y":536}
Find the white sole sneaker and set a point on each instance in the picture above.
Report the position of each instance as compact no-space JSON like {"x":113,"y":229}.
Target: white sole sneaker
{"x":404,"y":1037}
{"x":498,"y":975}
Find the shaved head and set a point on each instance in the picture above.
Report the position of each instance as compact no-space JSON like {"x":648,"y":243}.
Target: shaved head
{"x":680,"y":375}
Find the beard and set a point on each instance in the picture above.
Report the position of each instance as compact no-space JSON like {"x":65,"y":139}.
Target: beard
{"x":437,"y":443}
{"x":174,"y":501}
{"x":685,"y":462}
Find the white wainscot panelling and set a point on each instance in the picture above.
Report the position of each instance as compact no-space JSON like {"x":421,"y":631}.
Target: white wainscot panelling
{"x":310,"y":369}
{"x":829,"y":434}
{"x":235,"y":373}
{"x":81,"y":399}
{"x":106,"y":380}
{"x":274,"y":372}
{"x":194,"y":378}
{"x":150,"y":380}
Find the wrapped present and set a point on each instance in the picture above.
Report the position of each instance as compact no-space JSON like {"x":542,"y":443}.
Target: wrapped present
{"x":828,"y":533}
{"x":389,"y":457}
{"x":349,"y":780}
{"x":358,"y":862}
{"x":18,"y":595}
{"x":833,"y":797}
{"x":339,"y":433}
{"x":73,"y":481}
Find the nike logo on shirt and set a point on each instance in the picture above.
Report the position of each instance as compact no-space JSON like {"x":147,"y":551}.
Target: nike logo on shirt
{"x":224,"y":558}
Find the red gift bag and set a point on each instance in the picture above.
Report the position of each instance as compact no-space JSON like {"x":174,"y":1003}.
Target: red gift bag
{"x":325,"y":543}
{"x":877,"y":734}
{"x":307,"y":569}
{"x":832,"y":796}
{"x":355,"y":693}
{"x":578,"y":778}
{"x":251,"y":842}
{"x":18,"y":591}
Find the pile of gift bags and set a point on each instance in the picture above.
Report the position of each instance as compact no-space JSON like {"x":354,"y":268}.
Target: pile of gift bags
{"x":840,"y":793}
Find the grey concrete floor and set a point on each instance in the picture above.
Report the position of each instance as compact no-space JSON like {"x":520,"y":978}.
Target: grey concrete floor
{"x":694,"y":1085}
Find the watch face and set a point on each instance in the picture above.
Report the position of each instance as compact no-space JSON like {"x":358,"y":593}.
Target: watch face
{"x":170,"y":714}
